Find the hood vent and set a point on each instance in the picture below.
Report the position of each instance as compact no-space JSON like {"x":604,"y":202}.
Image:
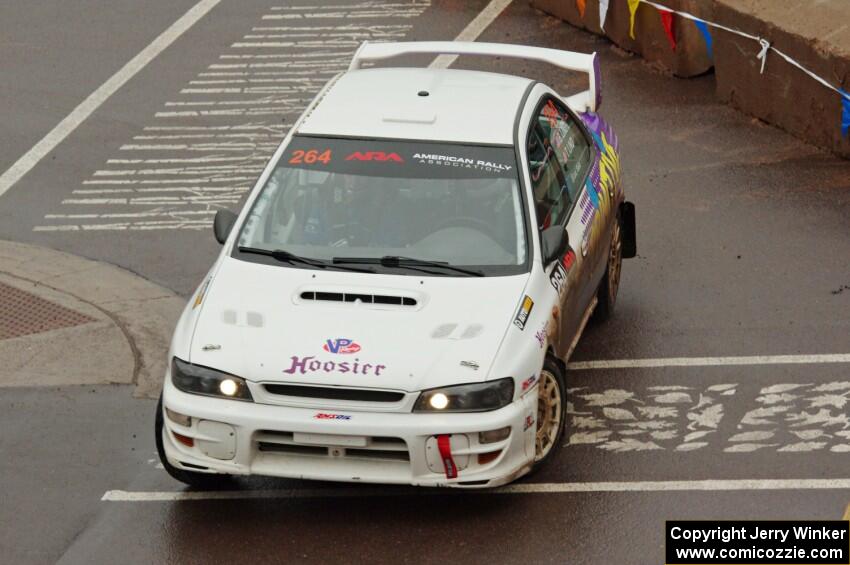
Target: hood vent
{"x":353,"y":297}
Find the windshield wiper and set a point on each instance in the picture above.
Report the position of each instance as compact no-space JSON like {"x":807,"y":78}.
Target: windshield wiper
{"x":397,"y":261}
{"x":286,"y":257}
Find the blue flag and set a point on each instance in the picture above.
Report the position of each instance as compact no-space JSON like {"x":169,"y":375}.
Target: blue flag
{"x":845,"y":112}
{"x":701,"y":25}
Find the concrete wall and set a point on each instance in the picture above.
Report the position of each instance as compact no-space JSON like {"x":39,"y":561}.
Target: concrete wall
{"x":814,"y":32}
{"x":816,"y":37}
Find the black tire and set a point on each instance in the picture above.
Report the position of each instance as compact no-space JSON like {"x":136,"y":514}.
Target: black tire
{"x":609,"y":286}
{"x":200,"y":481}
{"x":552,"y":374}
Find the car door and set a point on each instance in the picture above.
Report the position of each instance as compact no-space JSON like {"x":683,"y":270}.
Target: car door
{"x":559,"y":158}
{"x":577,"y":152}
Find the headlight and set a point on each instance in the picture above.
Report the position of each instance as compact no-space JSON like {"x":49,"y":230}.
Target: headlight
{"x":196,"y":379}
{"x":478,"y":397}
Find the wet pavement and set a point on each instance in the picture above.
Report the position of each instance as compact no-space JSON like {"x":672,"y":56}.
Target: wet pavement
{"x":743,"y":247}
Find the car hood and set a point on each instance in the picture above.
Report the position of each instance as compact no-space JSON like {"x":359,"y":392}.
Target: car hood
{"x":274,"y":323}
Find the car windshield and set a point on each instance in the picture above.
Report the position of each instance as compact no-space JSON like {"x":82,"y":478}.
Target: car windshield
{"x":389,"y":206}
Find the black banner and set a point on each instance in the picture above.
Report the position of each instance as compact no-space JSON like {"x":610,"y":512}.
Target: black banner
{"x":757,"y":542}
{"x":398,"y":158}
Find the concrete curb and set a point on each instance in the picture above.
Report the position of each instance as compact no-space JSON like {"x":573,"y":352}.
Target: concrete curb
{"x":812,"y":32}
{"x":128,"y":306}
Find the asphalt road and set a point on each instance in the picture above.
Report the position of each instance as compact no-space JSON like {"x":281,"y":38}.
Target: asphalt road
{"x":743,"y":248}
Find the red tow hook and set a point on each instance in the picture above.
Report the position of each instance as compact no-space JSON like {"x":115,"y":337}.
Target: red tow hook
{"x":445,"y":446}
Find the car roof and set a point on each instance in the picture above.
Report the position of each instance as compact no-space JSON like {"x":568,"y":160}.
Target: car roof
{"x":461,"y":106}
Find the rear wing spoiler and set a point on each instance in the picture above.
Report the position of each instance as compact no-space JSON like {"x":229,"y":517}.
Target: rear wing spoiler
{"x":588,"y":100}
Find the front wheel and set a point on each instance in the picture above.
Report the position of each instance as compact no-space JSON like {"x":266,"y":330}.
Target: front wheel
{"x":551,"y":411}
{"x":200,"y":481}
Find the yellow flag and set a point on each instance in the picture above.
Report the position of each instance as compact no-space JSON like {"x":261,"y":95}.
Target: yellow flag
{"x":633,"y":4}
{"x":581,"y":5}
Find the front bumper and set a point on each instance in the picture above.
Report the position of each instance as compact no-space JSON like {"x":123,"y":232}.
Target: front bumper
{"x":243,"y":438}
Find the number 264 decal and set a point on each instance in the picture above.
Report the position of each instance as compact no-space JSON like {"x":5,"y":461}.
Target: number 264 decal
{"x":309,"y":157}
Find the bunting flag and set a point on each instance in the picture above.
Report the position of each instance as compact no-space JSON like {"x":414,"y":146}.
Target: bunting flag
{"x":633,"y":6}
{"x":667,"y":22}
{"x":706,"y":34}
{"x":581,"y":5}
{"x":603,"y":13}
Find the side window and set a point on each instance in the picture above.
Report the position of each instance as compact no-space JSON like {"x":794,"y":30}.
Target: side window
{"x":569,"y":142}
{"x":551,"y":198}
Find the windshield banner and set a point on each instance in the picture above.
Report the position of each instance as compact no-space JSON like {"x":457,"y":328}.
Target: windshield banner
{"x":402,"y":159}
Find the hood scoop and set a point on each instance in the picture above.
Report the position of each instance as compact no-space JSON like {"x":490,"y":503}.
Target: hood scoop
{"x":358,"y":298}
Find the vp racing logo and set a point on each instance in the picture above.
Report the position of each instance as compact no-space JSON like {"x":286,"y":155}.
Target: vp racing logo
{"x":341,"y":346}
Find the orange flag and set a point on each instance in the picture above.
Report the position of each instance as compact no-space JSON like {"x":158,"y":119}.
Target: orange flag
{"x":581,"y":5}
{"x":633,"y":5}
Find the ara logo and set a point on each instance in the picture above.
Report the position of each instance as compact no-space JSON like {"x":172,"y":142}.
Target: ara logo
{"x":374,"y":156}
{"x":341,"y":345}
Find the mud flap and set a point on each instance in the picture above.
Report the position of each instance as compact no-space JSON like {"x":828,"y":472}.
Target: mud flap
{"x":627,"y":214}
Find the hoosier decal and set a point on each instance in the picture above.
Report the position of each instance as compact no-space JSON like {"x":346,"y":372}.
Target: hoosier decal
{"x":309,"y":364}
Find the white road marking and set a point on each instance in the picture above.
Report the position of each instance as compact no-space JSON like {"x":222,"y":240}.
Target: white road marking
{"x":384,"y":11}
{"x":672,"y":417}
{"x":471,"y":32}
{"x":306,"y":80}
{"x":292,"y":103}
{"x":710,"y":361}
{"x":191,"y":189}
{"x":269,"y":110}
{"x":265,"y":136}
{"x":327,"y":71}
{"x":304,"y":44}
{"x":128,"y":215}
{"x":343,"y":56}
{"x":147,"y":186}
{"x":275,"y":128}
{"x":209,"y":180}
{"x":256,"y":89}
{"x":85,"y":109}
{"x":533,"y":488}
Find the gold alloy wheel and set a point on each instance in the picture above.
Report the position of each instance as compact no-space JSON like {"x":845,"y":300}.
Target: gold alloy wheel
{"x":615,"y":263}
{"x":549,"y":412}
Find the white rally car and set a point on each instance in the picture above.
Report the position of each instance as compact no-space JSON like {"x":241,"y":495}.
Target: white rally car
{"x":398,"y":298}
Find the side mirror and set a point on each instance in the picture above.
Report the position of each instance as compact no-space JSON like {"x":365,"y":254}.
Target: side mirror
{"x":222,"y":224}
{"x":555,"y":243}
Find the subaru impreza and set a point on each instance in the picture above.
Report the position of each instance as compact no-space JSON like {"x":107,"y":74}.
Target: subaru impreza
{"x":398,"y":298}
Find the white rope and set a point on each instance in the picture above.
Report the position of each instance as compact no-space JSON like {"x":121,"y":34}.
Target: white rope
{"x":765,"y":45}
{"x":762,"y":56}
{"x":810,"y":73}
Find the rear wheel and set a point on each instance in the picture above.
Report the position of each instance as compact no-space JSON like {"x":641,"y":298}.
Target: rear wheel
{"x":610,"y":284}
{"x":200,"y":481}
{"x":551,"y":411}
